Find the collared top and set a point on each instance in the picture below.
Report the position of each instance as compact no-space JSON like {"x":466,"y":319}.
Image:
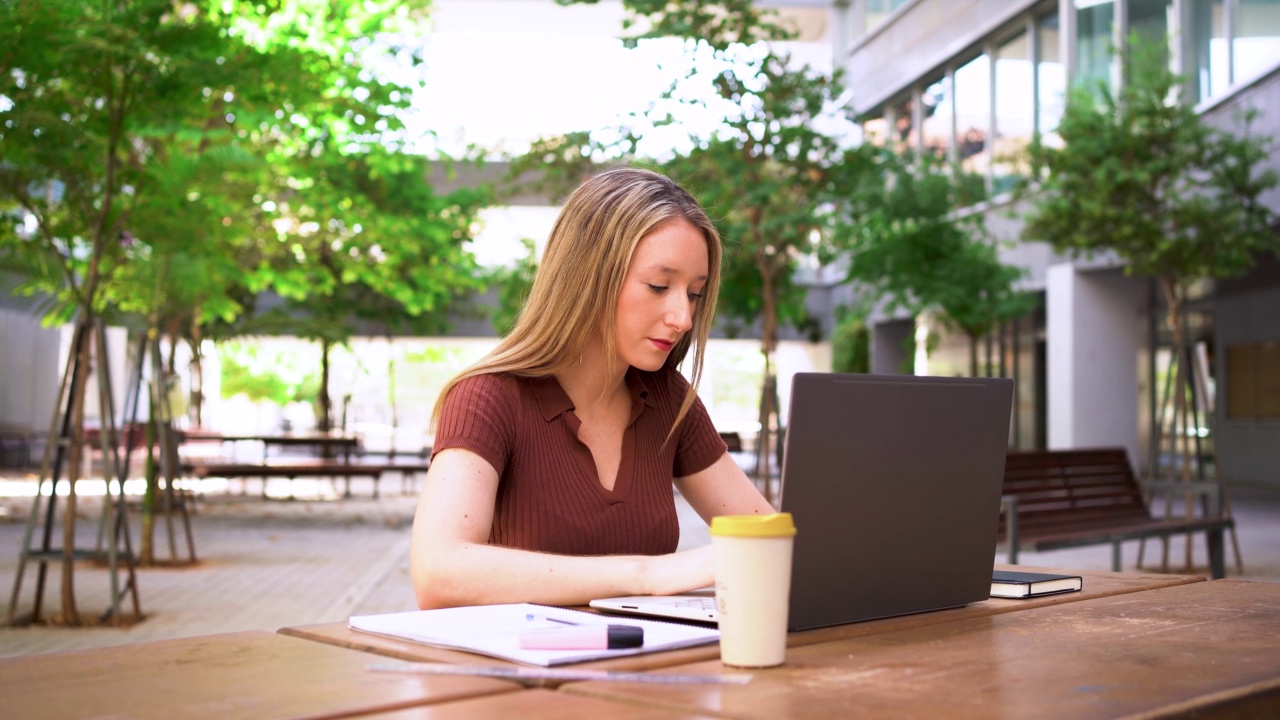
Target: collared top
{"x":549,"y":494}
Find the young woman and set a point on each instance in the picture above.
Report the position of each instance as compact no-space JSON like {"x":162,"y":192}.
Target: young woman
{"x":555,"y":454}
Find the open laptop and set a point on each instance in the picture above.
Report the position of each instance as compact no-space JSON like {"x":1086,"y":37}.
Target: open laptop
{"x":894,"y":484}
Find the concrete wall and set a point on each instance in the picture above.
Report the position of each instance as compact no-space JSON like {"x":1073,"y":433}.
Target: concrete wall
{"x":30,"y":368}
{"x":890,"y":354}
{"x":918,"y":41}
{"x":1249,"y":450}
{"x":1094,"y":331}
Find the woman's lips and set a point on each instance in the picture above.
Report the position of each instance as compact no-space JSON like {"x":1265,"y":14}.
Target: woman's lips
{"x":663,"y":345}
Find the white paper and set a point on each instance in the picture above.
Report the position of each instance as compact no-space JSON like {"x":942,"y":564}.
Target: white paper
{"x":495,"y":630}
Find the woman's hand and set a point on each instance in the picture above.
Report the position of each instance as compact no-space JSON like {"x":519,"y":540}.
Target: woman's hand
{"x":679,"y":572}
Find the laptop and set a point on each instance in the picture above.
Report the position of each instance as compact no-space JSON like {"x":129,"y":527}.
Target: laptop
{"x":894,"y":483}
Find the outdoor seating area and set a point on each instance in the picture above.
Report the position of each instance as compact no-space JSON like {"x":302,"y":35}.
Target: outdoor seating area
{"x":368,"y":359}
{"x":332,"y":456}
{"x":1055,"y":499}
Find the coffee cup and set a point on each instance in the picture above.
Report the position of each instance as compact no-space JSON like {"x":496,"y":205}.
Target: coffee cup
{"x":753,"y":586}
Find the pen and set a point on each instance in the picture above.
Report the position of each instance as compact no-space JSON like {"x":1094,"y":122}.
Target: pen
{"x":531,"y":617}
{"x":581,"y":636}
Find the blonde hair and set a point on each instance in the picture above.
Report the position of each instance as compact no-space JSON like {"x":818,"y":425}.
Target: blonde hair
{"x":578,"y":282}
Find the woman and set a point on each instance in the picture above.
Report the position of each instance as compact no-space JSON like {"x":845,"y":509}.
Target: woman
{"x":555,"y":453}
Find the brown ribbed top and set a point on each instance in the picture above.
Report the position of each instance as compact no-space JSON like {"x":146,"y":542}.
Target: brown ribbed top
{"x":549,"y":494}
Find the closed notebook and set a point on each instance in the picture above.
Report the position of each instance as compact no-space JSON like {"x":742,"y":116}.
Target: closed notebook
{"x":495,"y":630}
{"x":1014,"y":584}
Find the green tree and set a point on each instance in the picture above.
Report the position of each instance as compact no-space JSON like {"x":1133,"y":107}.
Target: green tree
{"x":362,"y":238}
{"x":513,"y":284}
{"x":913,"y":249}
{"x":1143,"y":176}
{"x":135,"y":136}
{"x":776,"y":175}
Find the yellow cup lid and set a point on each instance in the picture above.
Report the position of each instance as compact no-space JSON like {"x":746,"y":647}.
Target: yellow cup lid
{"x":775,"y":525}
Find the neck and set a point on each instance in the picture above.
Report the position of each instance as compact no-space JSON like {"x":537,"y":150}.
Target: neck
{"x":588,"y":383}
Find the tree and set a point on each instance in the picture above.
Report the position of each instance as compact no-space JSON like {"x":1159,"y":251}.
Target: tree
{"x":135,"y":135}
{"x":918,"y":253}
{"x":776,"y":176}
{"x":513,"y":284}
{"x":1142,"y":175}
{"x":363,"y":238}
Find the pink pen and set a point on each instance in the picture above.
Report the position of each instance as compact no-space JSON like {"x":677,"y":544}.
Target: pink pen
{"x":583,"y":637}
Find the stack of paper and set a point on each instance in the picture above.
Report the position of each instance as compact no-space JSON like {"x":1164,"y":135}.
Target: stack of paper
{"x":495,"y":630}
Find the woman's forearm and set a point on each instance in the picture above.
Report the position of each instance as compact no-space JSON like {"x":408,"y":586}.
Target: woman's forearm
{"x":479,"y":574}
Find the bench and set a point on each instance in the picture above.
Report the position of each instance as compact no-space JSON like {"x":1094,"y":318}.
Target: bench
{"x":1054,"y":499}
{"x":294,"y":469}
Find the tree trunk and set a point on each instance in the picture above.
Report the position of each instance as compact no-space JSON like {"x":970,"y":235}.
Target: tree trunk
{"x":197,"y":376}
{"x":1181,"y":445}
{"x":70,"y":615}
{"x":769,"y":388}
{"x":973,"y":355}
{"x":323,"y":422}
{"x":146,"y":548}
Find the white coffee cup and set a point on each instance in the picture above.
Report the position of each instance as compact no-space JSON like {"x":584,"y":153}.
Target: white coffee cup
{"x":753,"y":586}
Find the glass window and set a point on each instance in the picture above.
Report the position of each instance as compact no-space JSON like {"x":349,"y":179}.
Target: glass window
{"x":1052,"y":78}
{"x":1257,"y":38}
{"x":1015,"y":109}
{"x":1207,"y":66}
{"x":1149,"y":19}
{"x":973,"y":115}
{"x":935,"y":104}
{"x":878,"y":10}
{"x":1095,"y":20}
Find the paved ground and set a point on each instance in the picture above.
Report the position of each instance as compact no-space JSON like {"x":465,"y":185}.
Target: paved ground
{"x":267,"y":564}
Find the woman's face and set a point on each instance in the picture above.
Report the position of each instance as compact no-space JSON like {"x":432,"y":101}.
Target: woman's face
{"x":667,"y":277}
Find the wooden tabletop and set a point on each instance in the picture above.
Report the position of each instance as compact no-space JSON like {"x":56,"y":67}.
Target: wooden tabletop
{"x":536,"y":705}
{"x":1210,"y":648}
{"x":240,"y":675}
{"x":1097,"y":584}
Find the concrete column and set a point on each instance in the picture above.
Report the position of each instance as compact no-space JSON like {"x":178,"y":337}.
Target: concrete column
{"x":1094,"y":333}
{"x":29,"y":370}
{"x":891,"y":349}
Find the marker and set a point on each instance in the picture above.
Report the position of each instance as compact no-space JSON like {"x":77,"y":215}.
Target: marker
{"x":582,"y":636}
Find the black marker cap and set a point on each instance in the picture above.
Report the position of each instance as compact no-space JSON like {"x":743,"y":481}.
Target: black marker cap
{"x":625,"y":636}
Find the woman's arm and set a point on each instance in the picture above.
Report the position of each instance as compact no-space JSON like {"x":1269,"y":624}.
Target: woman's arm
{"x":723,"y":489}
{"x":452,"y":563}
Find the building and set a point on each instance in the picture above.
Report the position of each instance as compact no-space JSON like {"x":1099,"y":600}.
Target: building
{"x":973,"y":79}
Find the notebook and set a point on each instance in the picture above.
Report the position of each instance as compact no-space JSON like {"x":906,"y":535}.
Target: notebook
{"x":496,"y":630}
{"x":894,"y":484}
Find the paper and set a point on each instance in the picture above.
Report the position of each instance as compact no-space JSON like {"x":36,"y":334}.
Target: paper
{"x":495,"y":630}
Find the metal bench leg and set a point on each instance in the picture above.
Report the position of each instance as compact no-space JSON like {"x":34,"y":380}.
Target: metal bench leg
{"x":1115,"y":556}
{"x":1217,"y":561}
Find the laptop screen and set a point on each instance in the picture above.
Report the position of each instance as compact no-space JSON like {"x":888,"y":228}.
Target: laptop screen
{"x":894,"y":483}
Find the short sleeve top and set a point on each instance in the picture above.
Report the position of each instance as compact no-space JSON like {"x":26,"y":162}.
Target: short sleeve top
{"x":549,"y":495}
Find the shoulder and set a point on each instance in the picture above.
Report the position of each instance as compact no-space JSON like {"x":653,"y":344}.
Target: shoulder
{"x":487,"y":393}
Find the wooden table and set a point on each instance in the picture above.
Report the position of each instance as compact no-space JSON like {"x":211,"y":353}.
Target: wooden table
{"x":535,"y":705}
{"x":1210,"y":648}
{"x":240,"y":675}
{"x":1097,"y":584}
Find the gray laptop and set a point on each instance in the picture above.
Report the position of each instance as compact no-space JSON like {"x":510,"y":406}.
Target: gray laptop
{"x":894,"y":483}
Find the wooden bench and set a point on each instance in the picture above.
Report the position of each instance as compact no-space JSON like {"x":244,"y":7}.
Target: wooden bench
{"x":1057,"y":499}
{"x":291,"y":470}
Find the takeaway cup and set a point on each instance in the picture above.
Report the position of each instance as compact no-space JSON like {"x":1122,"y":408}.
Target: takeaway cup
{"x":753,"y":586}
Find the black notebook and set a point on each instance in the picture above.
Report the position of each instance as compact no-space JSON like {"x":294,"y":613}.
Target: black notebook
{"x":1013,"y":584}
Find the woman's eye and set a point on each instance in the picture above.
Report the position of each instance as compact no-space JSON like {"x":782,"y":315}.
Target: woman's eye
{"x":657,"y":288}
{"x":695,"y":296}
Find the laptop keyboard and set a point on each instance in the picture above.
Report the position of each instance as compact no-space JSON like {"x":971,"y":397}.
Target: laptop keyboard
{"x":697,"y":603}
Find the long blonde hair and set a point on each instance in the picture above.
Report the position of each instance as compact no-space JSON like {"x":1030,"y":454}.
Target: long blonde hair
{"x":581,"y":274}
